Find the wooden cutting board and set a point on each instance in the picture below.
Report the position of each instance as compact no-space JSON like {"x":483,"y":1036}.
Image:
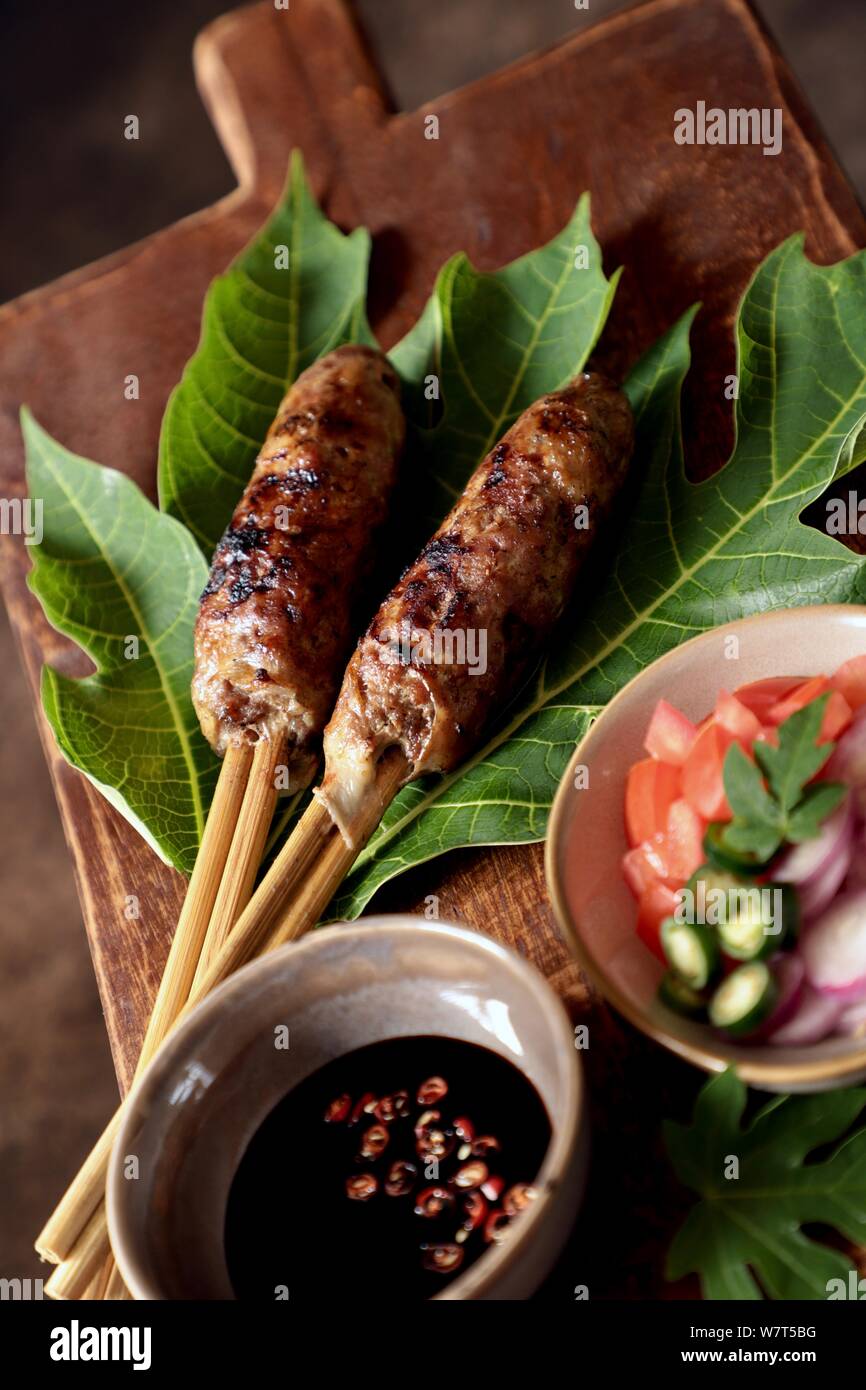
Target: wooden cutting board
{"x":515,"y":150}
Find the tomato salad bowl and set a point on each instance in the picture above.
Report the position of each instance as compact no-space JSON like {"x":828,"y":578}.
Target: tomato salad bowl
{"x":706,"y":854}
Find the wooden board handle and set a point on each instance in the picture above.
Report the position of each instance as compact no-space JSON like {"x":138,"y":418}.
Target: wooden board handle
{"x":246,"y":61}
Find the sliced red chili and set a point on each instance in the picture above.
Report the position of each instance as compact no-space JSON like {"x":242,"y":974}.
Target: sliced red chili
{"x":431,"y":1090}
{"x":374,"y":1141}
{"x":442,"y":1259}
{"x":474,"y":1211}
{"x":493,"y":1187}
{"x":338,"y":1110}
{"x":518,"y":1197}
{"x":361,"y":1187}
{"x":363,"y":1106}
{"x":401,"y":1178}
{"x":496,"y":1227}
{"x":471,"y":1174}
{"x":433,"y":1201}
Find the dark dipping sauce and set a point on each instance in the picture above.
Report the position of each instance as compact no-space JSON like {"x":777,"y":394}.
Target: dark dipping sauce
{"x":374,"y":1123}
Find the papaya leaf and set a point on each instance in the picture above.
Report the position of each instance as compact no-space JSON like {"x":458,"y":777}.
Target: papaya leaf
{"x":488,"y":345}
{"x":757,"y":1191}
{"x":123,"y":581}
{"x":296,"y":292}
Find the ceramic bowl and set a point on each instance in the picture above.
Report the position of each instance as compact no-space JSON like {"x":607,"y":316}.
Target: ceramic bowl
{"x":195,"y":1109}
{"x":586,"y":836}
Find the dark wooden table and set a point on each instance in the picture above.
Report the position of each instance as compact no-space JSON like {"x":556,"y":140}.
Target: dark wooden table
{"x":515,"y":150}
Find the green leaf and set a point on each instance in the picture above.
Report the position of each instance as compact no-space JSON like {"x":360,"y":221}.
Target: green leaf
{"x":757,"y":1191}
{"x":110,"y":568}
{"x":264,"y":323}
{"x":759,"y":842}
{"x":495,"y":343}
{"x":853,"y":454}
{"x":787,"y":809}
{"x":818,"y":802}
{"x":745,"y":790}
{"x":798,"y":757}
{"x":690,"y":556}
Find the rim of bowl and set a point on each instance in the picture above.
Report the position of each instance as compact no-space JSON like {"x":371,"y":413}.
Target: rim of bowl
{"x":775,"y":1073}
{"x":565,"y":1132}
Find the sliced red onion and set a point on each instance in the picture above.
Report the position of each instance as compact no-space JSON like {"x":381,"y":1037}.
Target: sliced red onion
{"x":852,"y":1021}
{"x":857,"y":869}
{"x":818,"y":867}
{"x":815,"y":899}
{"x":815,"y":1018}
{"x":834,"y":948}
{"x":848,"y":761}
{"x":789,"y":973}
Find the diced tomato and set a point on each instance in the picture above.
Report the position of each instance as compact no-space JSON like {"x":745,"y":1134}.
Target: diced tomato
{"x":760,"y":696}
{"x":649,"y":790}
{"x":850,"y":681}
{"x":685,"y":841}
{"x":646,"y":865}
{"x":703,"y":786}
{"x":804,"y":694}
{"x":737,"y":718}
{"x":837,"y":716}
{"x":669,"y":856}
{"x":670,"y":735}
{"x":657,"y":903}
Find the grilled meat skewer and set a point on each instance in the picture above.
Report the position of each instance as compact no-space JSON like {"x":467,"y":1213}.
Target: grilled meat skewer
{"x":467,"y":620}
{"x":275,"y":622}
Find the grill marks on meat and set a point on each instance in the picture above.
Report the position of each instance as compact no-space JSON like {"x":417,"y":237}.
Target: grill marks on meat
{"x":503,"y":566}
{"x":275,"y":621}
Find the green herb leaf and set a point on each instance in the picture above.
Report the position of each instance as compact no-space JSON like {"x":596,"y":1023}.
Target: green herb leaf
{"x":123,"y":581}
{"x":744,"y":1237}
{"x":797,"y":758}
{"x":817,"y":803}
{"x":689,"y":557}
{"x":295,"y":293}
{"x":789,"y":810}
{"x":758,"y":842}
{"x":745,"y":790}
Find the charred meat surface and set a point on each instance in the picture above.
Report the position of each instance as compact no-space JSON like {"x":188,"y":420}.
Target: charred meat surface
{"x":275,"y":621}
{"x":467,"y":620}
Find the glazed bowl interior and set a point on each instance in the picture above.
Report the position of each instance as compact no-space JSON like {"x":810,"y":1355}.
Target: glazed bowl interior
{"x":586,"y":838}
{"x":206,"y":1093}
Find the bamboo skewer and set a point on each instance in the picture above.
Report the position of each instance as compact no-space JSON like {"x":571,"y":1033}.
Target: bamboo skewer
{"x":235,"y":886}
{"x":63,"y":1227}
{"x":289,"y":901}
{"x":227,"y":859}
{"x":315,"y":861}
{"x":247,"y":848}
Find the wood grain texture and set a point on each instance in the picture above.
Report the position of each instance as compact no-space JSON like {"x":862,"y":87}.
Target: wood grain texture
{"x":515,"y":150}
